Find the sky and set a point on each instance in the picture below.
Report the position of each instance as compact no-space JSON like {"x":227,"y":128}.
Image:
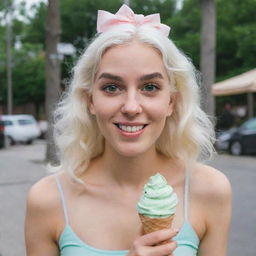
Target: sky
{"x":30,"y":2}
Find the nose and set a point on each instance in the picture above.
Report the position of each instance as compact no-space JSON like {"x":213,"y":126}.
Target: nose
{"x":131,"y":105}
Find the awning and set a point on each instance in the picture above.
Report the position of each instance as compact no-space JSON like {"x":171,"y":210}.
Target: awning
{"x":243,"y":83}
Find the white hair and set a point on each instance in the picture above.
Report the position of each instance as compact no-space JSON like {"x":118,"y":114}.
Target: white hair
{"x":188,"y":133}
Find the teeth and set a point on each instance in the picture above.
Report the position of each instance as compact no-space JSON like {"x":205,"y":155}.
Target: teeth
{"x":130,"y":128}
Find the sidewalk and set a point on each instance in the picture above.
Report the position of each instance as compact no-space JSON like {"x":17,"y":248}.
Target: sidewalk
{"x":20,"y":167}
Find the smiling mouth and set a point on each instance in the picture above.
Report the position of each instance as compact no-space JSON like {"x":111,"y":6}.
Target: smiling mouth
{"x":130,"y":129}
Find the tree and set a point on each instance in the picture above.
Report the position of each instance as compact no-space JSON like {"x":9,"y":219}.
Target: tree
{"x":52,"y":38}
{"x":29,"y":77}
{"x":236,"y":37}
{"x":165,"y":8}
{"x":33,"y":30}
{"x":207,"y":56}
{"x":79,"y":19}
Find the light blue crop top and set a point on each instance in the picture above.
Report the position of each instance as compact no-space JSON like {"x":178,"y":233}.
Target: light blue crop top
{"x":71,"y":245}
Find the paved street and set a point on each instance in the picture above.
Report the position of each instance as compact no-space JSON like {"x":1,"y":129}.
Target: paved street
{"x":21,"y":166}
{"x":241,"y":172}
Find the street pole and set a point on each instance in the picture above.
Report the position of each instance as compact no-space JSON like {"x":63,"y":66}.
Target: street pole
{"x":9,"y":56}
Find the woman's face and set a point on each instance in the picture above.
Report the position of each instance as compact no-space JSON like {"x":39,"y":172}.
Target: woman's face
{"x":131,"y":98}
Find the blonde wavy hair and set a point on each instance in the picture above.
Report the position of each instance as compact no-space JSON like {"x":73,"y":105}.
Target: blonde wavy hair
{"x":188,"y":133}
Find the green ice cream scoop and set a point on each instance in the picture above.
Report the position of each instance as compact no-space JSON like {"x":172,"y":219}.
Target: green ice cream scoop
{"x":158,"y":199}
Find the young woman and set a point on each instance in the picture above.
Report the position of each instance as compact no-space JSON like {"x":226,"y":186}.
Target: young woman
{"x":132,"y":110}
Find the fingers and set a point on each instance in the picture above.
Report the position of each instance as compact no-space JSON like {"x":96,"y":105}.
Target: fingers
{"x":158,"y":237}
{"x":158,"y":250}
{"x":165,"y":249}
{"x":157,"y":243}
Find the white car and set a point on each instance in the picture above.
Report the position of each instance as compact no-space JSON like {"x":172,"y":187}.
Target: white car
{"x":20,"y":128}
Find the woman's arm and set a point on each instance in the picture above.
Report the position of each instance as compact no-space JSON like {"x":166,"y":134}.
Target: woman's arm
{"x":39,"y":226}
{"x":218,"y":215}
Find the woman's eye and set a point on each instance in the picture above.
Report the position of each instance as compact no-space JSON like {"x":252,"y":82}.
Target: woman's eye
{"x":150,"y":88}
{"x":111,"y":88}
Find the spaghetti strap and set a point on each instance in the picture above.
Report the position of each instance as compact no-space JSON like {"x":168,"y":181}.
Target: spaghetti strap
{"x":186,"y":196}
{"x":63,"y":202}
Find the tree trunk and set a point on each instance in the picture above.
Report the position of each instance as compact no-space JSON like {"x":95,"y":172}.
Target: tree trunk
{"x":207,"y":58}
{"x":53,"y":89}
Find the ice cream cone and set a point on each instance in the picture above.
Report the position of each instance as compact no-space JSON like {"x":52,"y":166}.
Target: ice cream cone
{"x":154,"y":224}
{"x":157,"y":205}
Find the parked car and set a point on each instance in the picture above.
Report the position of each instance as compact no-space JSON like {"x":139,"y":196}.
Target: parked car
{"x":2,"y":140}
{"x":20,"y":128}
{"x":238,"y":141}
{"x":43,"y":126}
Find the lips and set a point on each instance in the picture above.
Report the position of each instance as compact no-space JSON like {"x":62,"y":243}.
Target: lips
{"x":130,"y":128}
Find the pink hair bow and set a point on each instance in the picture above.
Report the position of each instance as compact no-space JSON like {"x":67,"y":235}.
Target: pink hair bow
{"x":107,"y":20}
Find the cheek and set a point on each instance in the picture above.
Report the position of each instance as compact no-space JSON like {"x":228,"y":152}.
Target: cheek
{"x":159,"y":109}
{"x":100,"y":105}
{"x":104,"y":112}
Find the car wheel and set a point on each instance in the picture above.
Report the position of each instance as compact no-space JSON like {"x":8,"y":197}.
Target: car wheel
{"x":29,"y":142}
{"x":8,"y":141}
{"x":236,"y":148}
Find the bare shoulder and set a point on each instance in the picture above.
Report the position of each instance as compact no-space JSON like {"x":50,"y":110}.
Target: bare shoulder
{"x":43,"y":193}
{"x":42,"y":222}
{"x":210,"y":183}
{"x":43,"y":199}
{"x":211,"y":192}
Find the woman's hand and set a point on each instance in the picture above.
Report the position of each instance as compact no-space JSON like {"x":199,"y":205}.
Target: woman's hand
{"x":148,"y":245}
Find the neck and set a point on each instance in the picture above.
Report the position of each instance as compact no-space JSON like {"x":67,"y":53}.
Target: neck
{"x":132,"y":171}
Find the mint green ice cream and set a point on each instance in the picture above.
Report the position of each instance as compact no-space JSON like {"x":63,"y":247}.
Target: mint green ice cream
{"x":158,"y":199}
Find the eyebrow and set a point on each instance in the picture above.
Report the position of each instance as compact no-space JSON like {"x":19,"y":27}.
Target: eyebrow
{"x":111,"y":76}
{"x":143,"y":78}
{"x":152,"y":76}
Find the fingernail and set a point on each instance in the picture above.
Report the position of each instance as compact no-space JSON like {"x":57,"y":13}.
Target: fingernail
{"x":176,"y":231}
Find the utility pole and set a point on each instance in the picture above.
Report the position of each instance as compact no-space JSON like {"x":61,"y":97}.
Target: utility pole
{"x":127,"y":2}
{"x":8,"y":17}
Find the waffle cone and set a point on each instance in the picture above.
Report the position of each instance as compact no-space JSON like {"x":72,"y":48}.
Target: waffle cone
{"x":154,"y":224}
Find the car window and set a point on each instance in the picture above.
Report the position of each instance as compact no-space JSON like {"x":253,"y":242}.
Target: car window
{"x":26,"y":121}
{"x":8,"y":122}
{"x":250,"y":125}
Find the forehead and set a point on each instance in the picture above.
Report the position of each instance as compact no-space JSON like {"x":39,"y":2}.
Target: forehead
{"x":132,"y":57}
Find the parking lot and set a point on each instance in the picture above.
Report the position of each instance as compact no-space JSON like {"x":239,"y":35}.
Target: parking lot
{"x":23,"y":165}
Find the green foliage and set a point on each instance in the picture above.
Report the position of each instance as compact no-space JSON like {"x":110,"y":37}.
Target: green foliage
{"x":147,"y":7}
{"x":186,"y":29}
{"x":28,"y":75}
{"x":34,"y":31}
{"x":236,"y":34}
{"x":79,"y":19}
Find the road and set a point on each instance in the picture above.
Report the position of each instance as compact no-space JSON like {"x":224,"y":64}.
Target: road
{"x":241,"y":171}
{"x":21,"y":166}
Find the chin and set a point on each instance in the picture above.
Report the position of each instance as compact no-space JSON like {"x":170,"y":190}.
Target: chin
{"x":131,"y":152}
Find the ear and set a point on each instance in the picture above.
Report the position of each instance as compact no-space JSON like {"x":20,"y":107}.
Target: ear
{"x":89,"y":101}
{"x":173,"y":99}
